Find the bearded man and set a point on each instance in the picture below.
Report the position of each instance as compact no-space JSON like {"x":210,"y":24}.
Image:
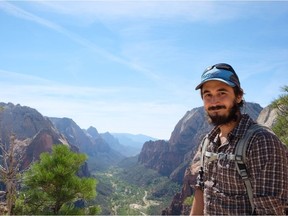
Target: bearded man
{"x":221,"y":190}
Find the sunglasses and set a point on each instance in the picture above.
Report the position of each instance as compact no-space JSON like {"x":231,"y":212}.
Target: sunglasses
{"x":222,"y":66}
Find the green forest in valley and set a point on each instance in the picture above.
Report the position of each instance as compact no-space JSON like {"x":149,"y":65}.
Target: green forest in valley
{"x":132,"y":189}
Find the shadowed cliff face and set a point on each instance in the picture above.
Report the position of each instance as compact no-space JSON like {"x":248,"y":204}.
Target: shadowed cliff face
{"x":42,"y":142}
{"x":157,"y":155}
{"x":171,"y":157}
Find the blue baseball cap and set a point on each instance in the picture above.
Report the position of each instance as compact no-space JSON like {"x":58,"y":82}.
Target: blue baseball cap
{"x":221,"y":72}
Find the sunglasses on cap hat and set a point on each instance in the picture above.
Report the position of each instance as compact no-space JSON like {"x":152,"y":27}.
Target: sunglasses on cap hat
{"x":221,"y":72}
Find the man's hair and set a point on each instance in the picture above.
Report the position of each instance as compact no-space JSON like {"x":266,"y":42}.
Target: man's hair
{"x":238,"y":92}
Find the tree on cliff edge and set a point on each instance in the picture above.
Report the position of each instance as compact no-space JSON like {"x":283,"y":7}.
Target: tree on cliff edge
{"x":51,"y":185}
{"x":281,"y":126}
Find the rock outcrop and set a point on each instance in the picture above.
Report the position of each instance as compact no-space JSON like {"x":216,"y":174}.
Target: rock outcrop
{"x":268,"y":116}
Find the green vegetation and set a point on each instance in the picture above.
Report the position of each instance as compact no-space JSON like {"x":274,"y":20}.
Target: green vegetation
{"x":281,"y":126}
{"x":136,"y":190}
{"x":51,"y":185}
{"x":189,"y":201}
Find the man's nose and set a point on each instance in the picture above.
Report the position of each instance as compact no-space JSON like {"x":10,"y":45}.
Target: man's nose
{"x":214,"y":99}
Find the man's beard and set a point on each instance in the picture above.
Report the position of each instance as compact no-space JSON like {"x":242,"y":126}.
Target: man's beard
{"x":217,"y":120}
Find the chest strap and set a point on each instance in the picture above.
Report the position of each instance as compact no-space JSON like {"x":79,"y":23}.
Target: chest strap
{"x":211,"y":156}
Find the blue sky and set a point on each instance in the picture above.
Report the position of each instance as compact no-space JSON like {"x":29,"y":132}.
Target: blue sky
{"x":132,"y":66}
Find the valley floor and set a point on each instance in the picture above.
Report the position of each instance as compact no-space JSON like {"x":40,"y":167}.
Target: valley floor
{"x":134,"y":191}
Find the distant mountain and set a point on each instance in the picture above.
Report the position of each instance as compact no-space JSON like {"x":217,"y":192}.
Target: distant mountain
{"x":133,"y":142}
{"x":127,"y":144}
{"x":101,"y":155}
{"x":117,"y":146}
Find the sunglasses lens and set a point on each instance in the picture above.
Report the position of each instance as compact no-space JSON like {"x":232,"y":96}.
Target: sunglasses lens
{"x":225,"y":67}
{"x":222,"y":66}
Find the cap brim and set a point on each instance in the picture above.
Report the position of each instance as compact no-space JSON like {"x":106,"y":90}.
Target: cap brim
{"x":215,"y":79}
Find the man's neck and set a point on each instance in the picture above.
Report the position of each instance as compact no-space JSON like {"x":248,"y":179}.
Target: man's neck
{"x":227,"y":128}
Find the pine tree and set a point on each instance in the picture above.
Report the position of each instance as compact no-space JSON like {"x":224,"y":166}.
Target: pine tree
{"x":281,"y":126}
{"x":51,"y":185}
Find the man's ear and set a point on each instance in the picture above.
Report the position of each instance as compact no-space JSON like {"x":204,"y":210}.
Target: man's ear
{"x":239,"y":98}
{"x":240,"y":95}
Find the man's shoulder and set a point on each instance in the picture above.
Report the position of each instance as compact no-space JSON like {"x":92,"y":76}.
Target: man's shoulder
{"x":259,"y":130}
{"x":241,"y":129}
{"x":263,"y":137}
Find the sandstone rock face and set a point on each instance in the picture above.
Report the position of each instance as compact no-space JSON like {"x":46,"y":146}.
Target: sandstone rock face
{"x":171,"y":157}
{"x":42,"y":142}
{"x":21,"y":120}
{"x":156,"y":155}
{"x":268,"y":116}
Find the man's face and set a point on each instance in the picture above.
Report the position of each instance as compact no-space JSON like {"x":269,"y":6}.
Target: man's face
{"x":220,"y":102}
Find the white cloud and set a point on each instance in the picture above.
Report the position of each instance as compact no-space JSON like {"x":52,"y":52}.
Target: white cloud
{"x":16,"y":11}
{"x":191,"y":11}
{"x":117,"y":10}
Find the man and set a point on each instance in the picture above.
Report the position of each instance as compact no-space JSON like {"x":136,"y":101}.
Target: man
{"x":222,"y":191}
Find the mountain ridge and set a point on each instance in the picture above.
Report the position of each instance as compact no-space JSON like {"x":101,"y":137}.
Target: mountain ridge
{"x":26,"y":122}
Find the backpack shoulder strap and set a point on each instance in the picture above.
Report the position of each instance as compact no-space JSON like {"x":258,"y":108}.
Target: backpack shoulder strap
{"x":240,"y":159}
{"x":200,"y":178}
{"x":240,"y":151}
{"x":205,"y":142}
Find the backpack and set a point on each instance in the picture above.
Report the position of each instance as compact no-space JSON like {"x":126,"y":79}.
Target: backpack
{"x":239,"y":157}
